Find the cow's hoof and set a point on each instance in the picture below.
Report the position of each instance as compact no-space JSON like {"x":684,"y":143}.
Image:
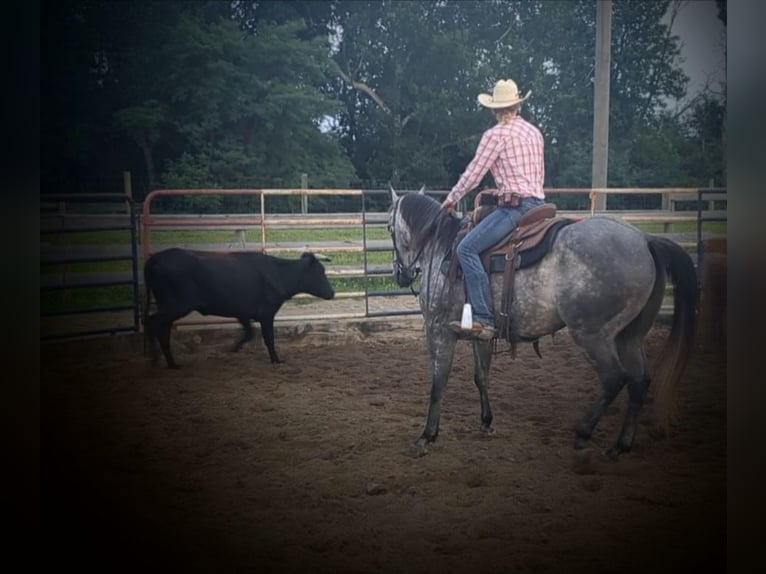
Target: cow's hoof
{"x":486,"y":432}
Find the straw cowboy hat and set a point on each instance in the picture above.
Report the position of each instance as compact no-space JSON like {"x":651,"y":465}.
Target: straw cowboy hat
{"x":505,"y":94}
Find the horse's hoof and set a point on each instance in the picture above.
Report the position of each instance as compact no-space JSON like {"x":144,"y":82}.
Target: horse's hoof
{"x":611,"y":454}
{"x":581,"y":441}
{"x":417,"y":449}
{"x":583,"y":461}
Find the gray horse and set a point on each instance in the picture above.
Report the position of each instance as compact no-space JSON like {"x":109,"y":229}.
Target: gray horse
{"x":603,"y":279}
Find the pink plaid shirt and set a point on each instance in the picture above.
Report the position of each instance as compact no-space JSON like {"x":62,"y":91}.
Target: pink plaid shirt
{"x":513,"y":152}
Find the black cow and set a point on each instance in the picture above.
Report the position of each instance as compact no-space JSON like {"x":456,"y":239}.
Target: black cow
{"x":246,"y":286}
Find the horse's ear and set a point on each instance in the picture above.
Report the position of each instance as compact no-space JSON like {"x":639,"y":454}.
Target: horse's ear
{"x":422,"y":190}
{"x":394,"y":197}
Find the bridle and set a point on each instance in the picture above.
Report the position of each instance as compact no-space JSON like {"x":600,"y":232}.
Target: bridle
{"x":411,"y":271}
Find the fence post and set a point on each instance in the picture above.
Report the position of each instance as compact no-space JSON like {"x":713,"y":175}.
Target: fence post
{"x":601,"y":102}
{"x":127,"y":188}
{"x":667,"y":205}
{"x":304,"y":197}
{"x":66,"y":295}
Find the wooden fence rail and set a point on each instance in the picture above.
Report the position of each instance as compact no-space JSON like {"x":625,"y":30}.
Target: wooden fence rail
{"x":250,"y":231}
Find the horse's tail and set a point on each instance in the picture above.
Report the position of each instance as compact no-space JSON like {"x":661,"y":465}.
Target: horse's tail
{"x":676,"y":264}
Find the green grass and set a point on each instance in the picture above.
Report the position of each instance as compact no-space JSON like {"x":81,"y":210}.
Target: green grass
{"x":84,"y":297}
{"x":176,"y":237}
{"x":80,"y":298}
{"x":96,"y":267}
{"x":88,"y":297}
{"x":87,"y":238}
{"x":337,"y":258}
{"x":297,"y":235}
{"x":272,"y":235}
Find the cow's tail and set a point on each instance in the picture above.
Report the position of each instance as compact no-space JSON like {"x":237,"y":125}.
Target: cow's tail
{"x":676,"y":264}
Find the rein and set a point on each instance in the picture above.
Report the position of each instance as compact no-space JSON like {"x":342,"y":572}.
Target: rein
{"x":398,"y":266}
{"x":432,"y":269}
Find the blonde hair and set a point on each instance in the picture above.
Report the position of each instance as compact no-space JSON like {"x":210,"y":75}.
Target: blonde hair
{"x":504,"y":115}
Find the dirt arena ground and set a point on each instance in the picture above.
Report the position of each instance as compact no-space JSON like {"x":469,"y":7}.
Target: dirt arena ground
{"x":233,"y":464}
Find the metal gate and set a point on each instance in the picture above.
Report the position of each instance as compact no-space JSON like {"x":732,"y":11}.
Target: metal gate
{"x":69,"y":222}
{"x":258,"y":225}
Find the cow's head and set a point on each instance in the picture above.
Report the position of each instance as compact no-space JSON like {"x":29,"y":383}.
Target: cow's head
{"x":313,"y":279}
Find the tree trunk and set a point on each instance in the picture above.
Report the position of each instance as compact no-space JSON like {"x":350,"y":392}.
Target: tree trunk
{"x":151,"y":173}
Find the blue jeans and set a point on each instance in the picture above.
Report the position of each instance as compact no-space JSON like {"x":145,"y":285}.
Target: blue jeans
{"x":489,"y":232}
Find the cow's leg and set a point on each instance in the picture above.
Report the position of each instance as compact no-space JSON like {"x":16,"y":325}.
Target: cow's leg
{"x":163,"y":335}
{"x":267,"y":328}
{"x":247,"y":334}
{"x":150,"y":337}
{"x":161,"y":323}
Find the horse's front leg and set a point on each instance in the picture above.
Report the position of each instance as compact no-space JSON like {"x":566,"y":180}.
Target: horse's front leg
{"x":441,"y":346}
{"x":482,"y":359}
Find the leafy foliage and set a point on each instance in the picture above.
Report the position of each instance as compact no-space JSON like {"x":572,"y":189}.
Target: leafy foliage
{"x":256,"y":94}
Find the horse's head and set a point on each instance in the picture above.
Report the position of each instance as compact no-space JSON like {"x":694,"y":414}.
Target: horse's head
{"x":419,"y":228}
{"x":406,"y":254}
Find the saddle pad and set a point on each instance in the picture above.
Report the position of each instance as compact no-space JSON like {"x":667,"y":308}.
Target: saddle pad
{"x":531,"y":256}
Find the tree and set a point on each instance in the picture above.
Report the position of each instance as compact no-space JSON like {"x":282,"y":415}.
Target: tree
{"x":98,"y":58}
{"x":250,"y":105}
{"x":250,"y":94}
{"x":706,"y":151}
{"x":143,"y":124}
{"x":181,"y":85}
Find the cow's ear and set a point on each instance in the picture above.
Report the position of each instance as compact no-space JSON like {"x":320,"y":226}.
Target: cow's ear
{"x":308,"y":256}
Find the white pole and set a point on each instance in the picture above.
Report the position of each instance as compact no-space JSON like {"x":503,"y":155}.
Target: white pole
{"x":601,"y":100}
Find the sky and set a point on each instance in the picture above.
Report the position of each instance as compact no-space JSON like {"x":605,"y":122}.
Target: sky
{"x":703,"y":38}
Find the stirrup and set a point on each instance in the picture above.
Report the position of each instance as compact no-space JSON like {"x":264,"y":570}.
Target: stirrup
{"x":477,"y":330}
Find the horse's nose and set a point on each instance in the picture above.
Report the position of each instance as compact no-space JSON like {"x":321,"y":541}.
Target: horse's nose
{"x":402,"y":278}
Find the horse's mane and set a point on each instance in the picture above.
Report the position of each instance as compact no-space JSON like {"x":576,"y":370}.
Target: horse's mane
{"x":427,"y":220}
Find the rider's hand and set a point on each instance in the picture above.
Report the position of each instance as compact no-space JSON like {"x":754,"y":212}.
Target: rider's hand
{"x":448,"y":205}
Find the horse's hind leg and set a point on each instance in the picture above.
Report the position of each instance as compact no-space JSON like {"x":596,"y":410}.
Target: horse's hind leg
{"x":612,"y":376}
{"x":482,"y":359}
{"x":634,"y":360}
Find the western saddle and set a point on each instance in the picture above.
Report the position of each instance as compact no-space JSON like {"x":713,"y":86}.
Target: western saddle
{"x":523,"y":247}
